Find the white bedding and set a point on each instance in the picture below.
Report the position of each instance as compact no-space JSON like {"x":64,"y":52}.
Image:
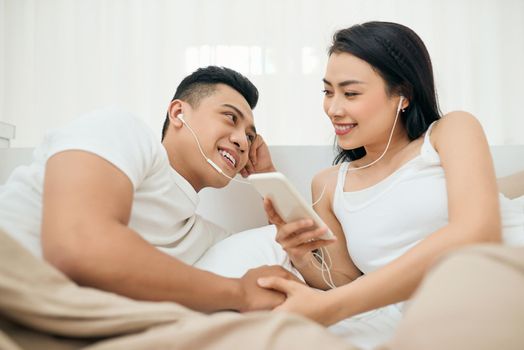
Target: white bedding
{"x":242,"y":251}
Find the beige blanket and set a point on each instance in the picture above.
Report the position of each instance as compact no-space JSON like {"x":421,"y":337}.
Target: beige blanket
{"x":472,"y":300}
{"x":40,"y":308}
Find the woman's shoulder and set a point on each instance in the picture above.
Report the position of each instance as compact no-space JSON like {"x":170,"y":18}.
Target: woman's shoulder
{"x":455,"y":125}
{"x":326,"y":176}
{"x":456,"y":119}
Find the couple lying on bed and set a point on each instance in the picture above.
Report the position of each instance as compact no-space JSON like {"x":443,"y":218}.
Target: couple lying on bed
{"x":113,"y":207}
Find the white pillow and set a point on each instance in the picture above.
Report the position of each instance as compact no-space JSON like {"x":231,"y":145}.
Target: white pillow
{"x":242,"y":251}
{"x":233,"y":256}
{"x":519,"y":200}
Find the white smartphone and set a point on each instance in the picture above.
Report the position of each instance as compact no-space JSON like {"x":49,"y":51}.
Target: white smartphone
{"x":287,"y":201}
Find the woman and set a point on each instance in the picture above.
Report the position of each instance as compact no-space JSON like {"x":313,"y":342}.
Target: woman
{"x":407,"y":187}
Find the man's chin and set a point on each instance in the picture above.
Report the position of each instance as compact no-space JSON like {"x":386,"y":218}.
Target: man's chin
{"x":222,"y":181}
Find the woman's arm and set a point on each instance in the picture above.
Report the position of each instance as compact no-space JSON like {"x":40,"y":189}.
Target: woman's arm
{"x":299,"y":240}
{"x":474,"y":217}
{"x":342,"y":268}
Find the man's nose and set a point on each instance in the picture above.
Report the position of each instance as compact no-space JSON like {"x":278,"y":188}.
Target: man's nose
{"x":239,"y":139}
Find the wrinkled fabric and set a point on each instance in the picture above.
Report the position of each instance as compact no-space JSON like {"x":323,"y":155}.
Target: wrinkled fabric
{"x":40,"y":308}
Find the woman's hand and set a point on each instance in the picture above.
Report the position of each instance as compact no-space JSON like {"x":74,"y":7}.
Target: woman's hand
{"x":298,"y":238}
{"x":302,"y":299}
{"x":259,"y":158}
{"x":257,"y":298}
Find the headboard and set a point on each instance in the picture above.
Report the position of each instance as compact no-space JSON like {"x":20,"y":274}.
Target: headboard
{"x":238,"y":207}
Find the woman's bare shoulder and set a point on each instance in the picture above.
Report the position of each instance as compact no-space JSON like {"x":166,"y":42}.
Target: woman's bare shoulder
{"x":326,"y":176}
{"x":455,"y":125}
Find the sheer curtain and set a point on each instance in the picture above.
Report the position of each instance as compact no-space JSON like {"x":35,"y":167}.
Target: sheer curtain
{"x":60,"y":58}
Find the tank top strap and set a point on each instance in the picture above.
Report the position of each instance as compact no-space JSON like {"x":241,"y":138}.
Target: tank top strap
{"x":428,"y":132}
{"x":427,"y":150}
{"x":341,"y":179}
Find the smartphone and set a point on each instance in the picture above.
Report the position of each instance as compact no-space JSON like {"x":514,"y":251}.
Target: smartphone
{"x":287,"y":201}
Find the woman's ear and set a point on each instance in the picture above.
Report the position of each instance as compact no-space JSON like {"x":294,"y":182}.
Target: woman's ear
{"x":405,"y":103}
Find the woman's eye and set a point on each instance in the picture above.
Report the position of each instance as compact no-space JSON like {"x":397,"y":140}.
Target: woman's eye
{"x":327,"y":92}
{"x":351,"y":94}
{"x":251,"y":138}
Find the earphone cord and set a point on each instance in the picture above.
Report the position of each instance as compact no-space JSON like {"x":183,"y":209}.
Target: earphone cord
{"x":326,"y":267}
{"x":209,"y":160}
{"x":385,"y":150}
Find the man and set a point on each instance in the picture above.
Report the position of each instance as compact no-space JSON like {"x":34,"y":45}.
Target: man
{"x":113,"y":208}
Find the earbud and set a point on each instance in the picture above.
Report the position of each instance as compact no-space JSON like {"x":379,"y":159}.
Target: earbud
{"x":181,"y":117}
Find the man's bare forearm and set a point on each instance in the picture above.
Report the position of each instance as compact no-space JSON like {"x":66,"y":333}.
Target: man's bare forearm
{"x":120,"y":261}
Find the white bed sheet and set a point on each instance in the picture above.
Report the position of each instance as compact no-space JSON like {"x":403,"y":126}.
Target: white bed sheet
{"x":242,"y":251}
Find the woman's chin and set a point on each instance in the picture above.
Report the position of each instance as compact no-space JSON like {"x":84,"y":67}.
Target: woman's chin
{"x":346,"y":145}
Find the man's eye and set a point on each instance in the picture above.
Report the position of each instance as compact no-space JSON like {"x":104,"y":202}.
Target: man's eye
{"x":232,"y":117}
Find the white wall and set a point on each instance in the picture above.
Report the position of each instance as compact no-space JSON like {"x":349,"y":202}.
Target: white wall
{"x":59,"y":58}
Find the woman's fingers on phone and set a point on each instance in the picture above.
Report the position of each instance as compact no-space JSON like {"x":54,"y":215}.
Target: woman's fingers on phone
{"x":272,"y":215}
{"x":293,"y":229}
{"x":307,"y":237}
{"x":310,"y":246}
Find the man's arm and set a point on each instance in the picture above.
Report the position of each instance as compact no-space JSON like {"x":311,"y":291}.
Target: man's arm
{"x":86,"y":209}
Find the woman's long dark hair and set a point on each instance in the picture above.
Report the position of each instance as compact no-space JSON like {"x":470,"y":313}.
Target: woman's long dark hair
{"x":400,"y":57}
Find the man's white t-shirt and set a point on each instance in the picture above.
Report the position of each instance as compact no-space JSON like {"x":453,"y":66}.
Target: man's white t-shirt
{"x":164,"y":203}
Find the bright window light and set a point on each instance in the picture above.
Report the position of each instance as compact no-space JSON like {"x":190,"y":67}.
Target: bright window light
{"x":249,"y":60}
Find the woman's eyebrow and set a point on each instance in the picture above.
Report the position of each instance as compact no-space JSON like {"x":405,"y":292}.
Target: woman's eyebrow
{"x":344,"y":83}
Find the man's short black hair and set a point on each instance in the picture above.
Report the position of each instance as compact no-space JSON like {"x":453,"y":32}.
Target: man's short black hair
{"x":202,"y":83}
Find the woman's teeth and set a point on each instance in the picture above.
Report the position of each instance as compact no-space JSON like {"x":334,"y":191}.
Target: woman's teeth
{"x":344,"y":127}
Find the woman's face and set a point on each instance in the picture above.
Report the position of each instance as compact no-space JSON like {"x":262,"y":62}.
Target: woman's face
{"x":356,"y":102}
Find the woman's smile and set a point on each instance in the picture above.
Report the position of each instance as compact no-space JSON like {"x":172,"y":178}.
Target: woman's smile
{"x":343,"y":129}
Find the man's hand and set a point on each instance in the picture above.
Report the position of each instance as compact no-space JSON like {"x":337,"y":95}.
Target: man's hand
{"x":258,"y":298}
{"x":259,"y":159}
{"x":303,"y":300}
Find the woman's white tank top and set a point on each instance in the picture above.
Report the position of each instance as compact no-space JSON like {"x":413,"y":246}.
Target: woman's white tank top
{"x":383,"y":221}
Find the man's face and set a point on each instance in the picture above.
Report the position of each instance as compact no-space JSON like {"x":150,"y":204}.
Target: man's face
{"x":223,"y":124}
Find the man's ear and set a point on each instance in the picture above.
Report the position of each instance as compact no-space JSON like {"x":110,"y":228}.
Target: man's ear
{"x":175,"y":108}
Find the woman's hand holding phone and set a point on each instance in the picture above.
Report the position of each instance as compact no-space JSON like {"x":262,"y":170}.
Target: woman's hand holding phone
{"x":298,"y":238}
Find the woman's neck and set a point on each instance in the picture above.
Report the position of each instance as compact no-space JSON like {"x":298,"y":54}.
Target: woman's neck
{"x":374,"y":152}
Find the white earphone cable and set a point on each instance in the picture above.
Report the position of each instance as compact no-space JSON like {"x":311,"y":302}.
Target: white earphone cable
{"x":216,"y":167}
{"x":324,"y":267}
